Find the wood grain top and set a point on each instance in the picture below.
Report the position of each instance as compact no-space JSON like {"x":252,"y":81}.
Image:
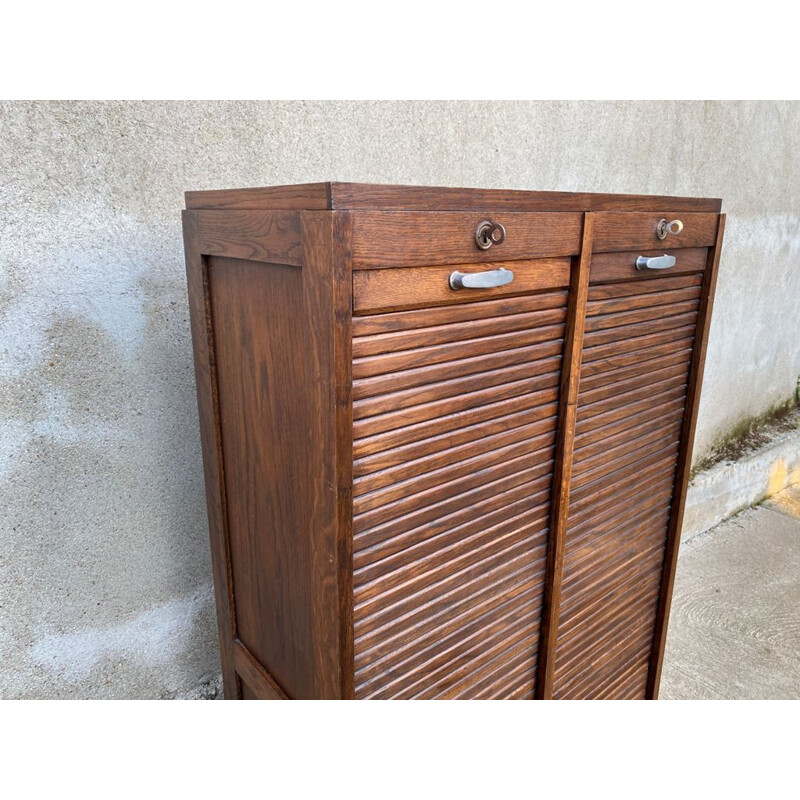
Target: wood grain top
{"x":386,"y":197}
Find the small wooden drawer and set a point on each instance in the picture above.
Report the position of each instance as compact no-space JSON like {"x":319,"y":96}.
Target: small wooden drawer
{"x":626,"y":231}
{"x":622,"y":266}
{"x":409,"y":239}
{"x":417,"y":287}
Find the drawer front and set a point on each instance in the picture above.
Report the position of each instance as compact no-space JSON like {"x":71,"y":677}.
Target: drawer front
{"x":454,"y":424}
{"x":408,"y":239}
{"x":632,"y":230}
{"x":638,"y":346}
{"x":416,"y":287}
{"x":622,"y":266}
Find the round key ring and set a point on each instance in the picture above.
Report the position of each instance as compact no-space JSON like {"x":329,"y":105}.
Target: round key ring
{"x":672,"y":228}
{"x":488,"y":233}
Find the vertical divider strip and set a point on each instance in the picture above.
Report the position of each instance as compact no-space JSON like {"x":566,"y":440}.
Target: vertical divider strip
{"x":562,"y":472}
{"x":684,"y":463}
{"x":342,"y":279}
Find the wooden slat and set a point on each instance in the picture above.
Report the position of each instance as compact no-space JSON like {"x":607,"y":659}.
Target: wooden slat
{"x":684,"y":464}
{"x":652,"y":300}
{"x":442,"y":315}
{"x":406,"y":612}
{"x":679,"y":355}
{"x":603,"y":407}
{"x":639,"y":343}
{"x":465,"y":330}
{"x":637,"y":359}
{"x":493,"y":577}
{"x":606,"y":291}
{"x":601,"y":441}
{"x":633,"y":338}
{"x":441,"y":409}
{"x":386,"y":290}
{"x":490,"y":414}
{"x":390,"y":652}
{"x":462,"y":368}
{"x":423,"y":660}
{"x":424,"y":483}
{"x":408,"y":572}
{"x":372,"y":456}
{"x":453,"y":351}
{"x":455,"y":387}
{"x":380,"y":526}
{"x":432,"y":464}
{"x":273,"y":237}
{"x":626,"y":319}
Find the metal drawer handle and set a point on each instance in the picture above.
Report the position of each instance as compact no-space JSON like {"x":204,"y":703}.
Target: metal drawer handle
{"x":672,"y":228}
{"x":481,"y":280}
{"x":658,"y":262}
{"x":488,"y":233}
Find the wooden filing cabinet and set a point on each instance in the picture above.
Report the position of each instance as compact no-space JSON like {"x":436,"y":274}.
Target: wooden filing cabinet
{"x":446,"y":434}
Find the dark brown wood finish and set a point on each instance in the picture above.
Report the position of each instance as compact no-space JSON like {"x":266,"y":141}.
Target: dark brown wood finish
{"x":299,"y":197}
{"x":366,"y":196}
{"x":684,"y":463}
{"x":387,"y":240}
{"x":628,"y":230}
{"x":425,"y":287}
{"x":267,"y":236}
{"x":210,"y":438}
{"x":614,"y":553}
{"x":280,"y":359}
{"x":420,"y":492}
{"x":559,"y":509}
{"x":450,"y":515}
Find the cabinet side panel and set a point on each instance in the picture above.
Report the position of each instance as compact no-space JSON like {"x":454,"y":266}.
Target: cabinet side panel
{"x":274,"y":385}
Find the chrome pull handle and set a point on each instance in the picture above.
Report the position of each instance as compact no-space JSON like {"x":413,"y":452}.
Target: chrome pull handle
{"x":658,"y":262}
{"x":481,"y":280}
{"x":672,"y":228}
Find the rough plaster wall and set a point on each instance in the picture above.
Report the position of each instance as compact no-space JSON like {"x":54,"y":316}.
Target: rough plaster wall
{"x":104,"y":567}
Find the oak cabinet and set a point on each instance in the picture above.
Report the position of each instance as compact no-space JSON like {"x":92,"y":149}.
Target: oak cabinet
{"x":446,"y":434}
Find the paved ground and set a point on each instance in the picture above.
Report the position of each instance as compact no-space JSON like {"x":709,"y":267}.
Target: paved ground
{"x":735,"y":624}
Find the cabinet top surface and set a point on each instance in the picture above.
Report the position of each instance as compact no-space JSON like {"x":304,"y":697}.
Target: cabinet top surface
{"x":384,"y":197}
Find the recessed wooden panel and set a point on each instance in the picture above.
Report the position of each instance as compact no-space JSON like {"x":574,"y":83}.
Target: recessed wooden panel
{"x":272,"y":419}
{"x":451,"y":499}
{"x":629,"y":422}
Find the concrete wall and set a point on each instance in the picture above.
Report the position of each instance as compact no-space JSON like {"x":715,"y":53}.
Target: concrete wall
{"x":104,"y":569}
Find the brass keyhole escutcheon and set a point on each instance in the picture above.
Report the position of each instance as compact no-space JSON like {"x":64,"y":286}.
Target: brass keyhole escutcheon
{"x":488,"y":233}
